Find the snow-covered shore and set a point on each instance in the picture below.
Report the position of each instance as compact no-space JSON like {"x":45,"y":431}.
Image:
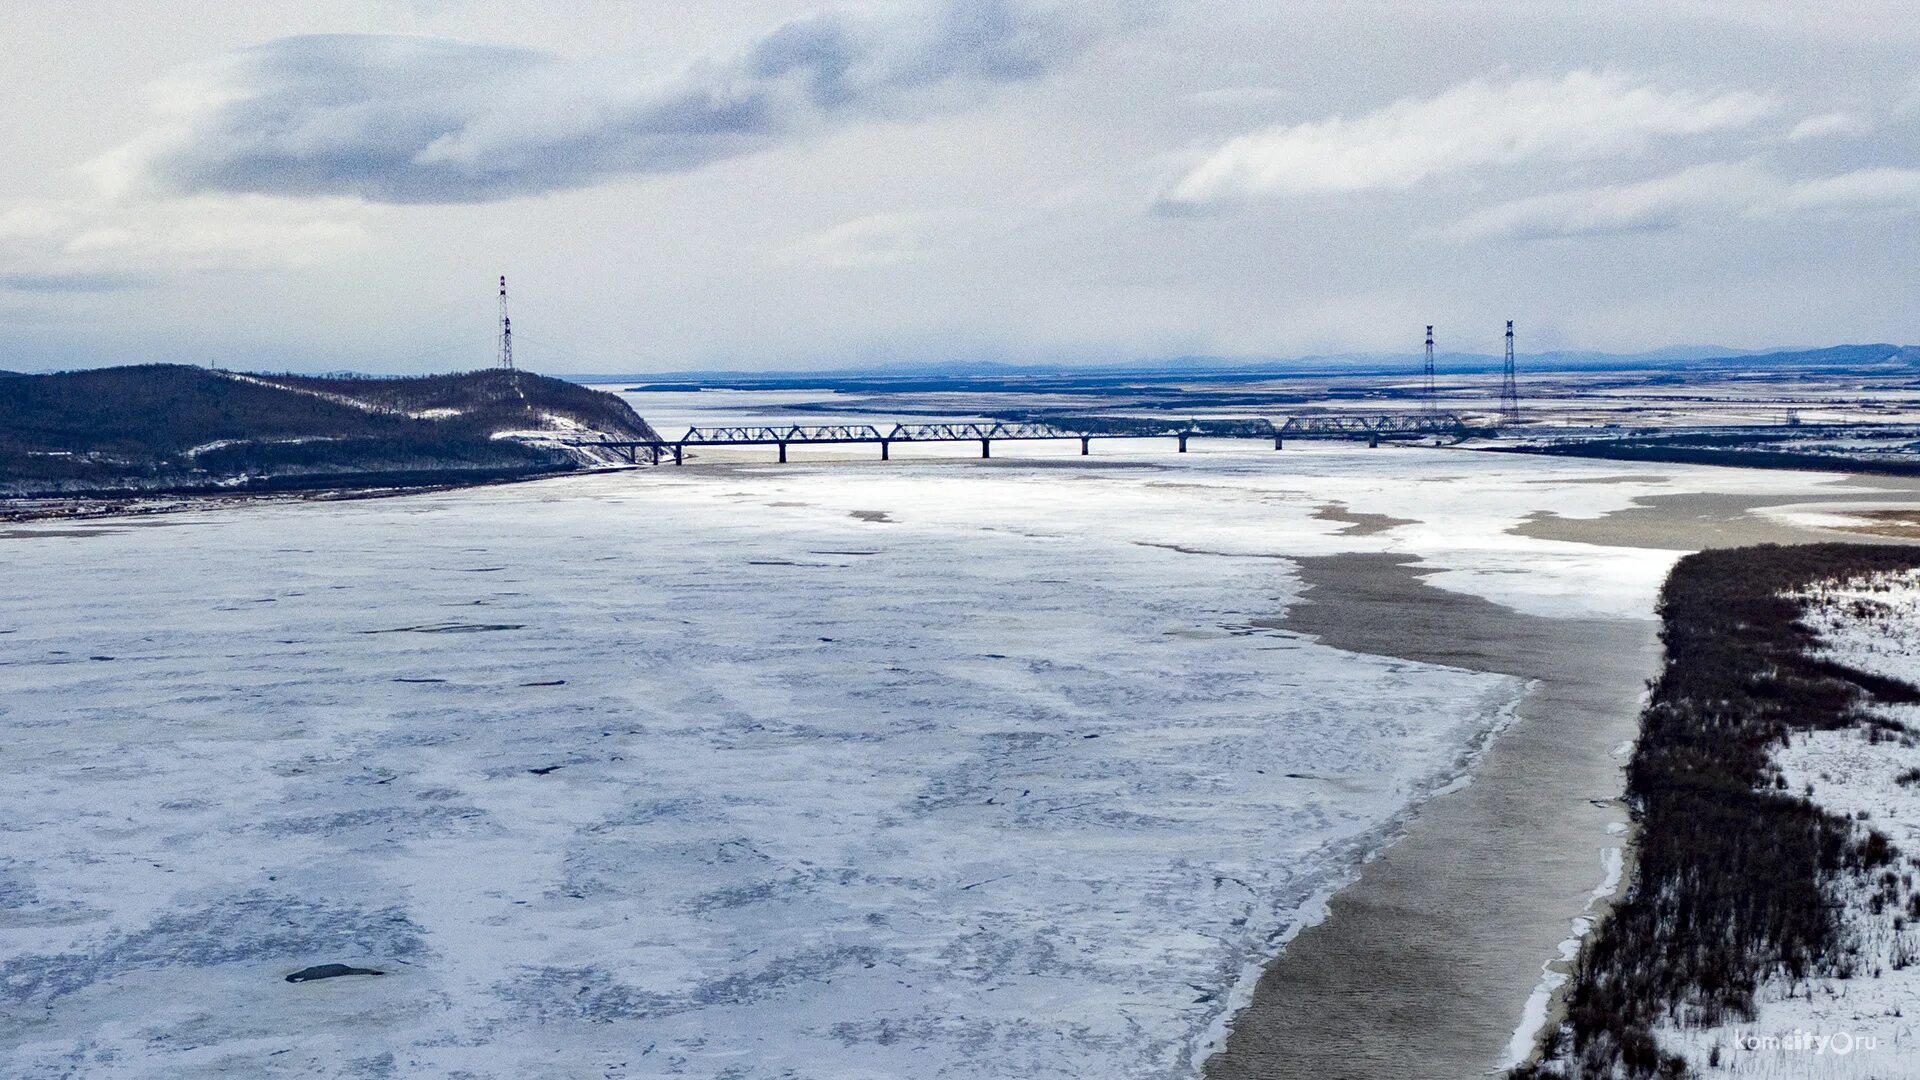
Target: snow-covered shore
{"x":1865,"y":1025}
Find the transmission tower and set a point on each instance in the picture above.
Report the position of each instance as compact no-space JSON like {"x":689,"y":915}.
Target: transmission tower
{"x":506,"y":328}
{"x":1509,"y":390}
{"x":1426,"y":391}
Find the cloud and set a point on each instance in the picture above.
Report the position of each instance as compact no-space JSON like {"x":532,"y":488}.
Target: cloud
{"x":30,"y":222}
{"x":1242,"y":97}
{"x":1581,"y":116}
{"x":92,"y":246}
{"x":414,"y":120}
{"x":1703,"y":192}
{"x":1830,"y":124}
{"x":80,"y":281}
{"x":1646,"y":206}
{"x":1860,"y":189}
{"x":880,"y":240}
{"x":1911,"y":101}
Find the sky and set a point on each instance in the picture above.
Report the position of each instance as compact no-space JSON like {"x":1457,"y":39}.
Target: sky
{"x":793,"y":184}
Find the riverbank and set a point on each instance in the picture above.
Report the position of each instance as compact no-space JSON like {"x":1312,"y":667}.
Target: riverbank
{"x":1744,"y":877}
{"x":1430,"y":963}
{"x":1424,"y":963}
{"x":77,"y":508}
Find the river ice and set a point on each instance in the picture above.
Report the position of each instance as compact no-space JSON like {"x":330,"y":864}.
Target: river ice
{"x":927,"y":770}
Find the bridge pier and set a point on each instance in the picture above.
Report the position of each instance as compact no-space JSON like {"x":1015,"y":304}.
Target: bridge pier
{"x":986,"y":448}
{"x":885,"y":444}
{"x":1373,"y":441}
{"x":783,"y":453}
{"x":1183,"y":443}
{"x":1084,"y":444}
{"x":1276,"y":442}
{"x":677,"y":451}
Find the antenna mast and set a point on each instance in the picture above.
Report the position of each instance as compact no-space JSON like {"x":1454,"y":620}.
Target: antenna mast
{"x":1427,"y":388}
{"x":506,"y":328}
{"x":1509,"y":390}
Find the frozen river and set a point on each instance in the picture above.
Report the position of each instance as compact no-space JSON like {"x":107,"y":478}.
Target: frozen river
{"x":921,"y":770}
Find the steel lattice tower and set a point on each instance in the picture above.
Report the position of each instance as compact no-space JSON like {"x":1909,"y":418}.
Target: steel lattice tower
{"x":1426,"y":389}
{"x":1509,"y":390}
{"x":506,"y":328}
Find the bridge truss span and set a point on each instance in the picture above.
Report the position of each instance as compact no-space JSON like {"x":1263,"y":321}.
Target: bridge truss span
{"x":765,"y":435}
{"x":1375,"y":426}
{"x":969,"y":432}
{"x":1372,"y":428}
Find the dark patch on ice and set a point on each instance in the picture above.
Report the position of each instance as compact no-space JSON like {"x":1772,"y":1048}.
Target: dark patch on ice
{"x":545,"y":769}
{"x":329,"y":971}
{"x":589,"y":994}
{"x":255,"y":927}
{"x":418,"y":820}
{"x":549,"y":682}
{"x":99,"y":657}
{"x":872,"y":515}
{"x":592,"y":995}
{"x":449,"y":628}
{"x":814,"y":965}
{"x":404,"y":679}
{"x":16,"y":890}
{"x":843,"y":553}
{"x":740,"y":896}
{"x":381,"y":1066}
{"x":989,"y":956}
{"x":771,"y":562}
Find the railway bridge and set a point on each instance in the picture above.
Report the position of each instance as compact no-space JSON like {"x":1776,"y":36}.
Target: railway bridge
{"x":1372,"y":428}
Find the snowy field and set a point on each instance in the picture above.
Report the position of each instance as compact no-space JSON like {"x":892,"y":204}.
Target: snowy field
{"x":920,"y":770}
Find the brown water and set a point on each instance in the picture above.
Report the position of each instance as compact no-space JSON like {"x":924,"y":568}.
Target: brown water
{"x":1424,"y":964}
{"x":1697,"y":520}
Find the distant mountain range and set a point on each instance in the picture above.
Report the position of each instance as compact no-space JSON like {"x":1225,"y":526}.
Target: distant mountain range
{"x":175,"y":428}
{"x":1687,"y":357}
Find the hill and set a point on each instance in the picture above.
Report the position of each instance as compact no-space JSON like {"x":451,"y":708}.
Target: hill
{"x":1845,"y":357}
{"x":168,"y":427}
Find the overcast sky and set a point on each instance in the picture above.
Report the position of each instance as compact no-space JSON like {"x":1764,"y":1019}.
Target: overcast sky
{"x":675,"y":184}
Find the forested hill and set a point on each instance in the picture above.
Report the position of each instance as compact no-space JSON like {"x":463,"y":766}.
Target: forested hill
{"x":177,"y":428}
